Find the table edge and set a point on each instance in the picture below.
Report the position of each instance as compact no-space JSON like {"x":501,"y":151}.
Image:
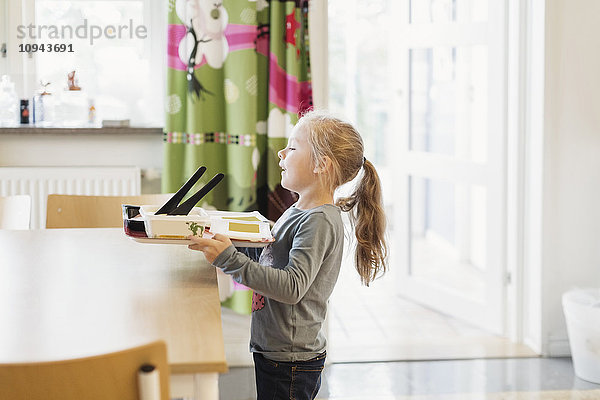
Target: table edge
{"x":193,"y":368}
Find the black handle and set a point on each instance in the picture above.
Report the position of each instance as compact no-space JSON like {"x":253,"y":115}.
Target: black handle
{"x":185,"y":207}
{"x":173,"y":202}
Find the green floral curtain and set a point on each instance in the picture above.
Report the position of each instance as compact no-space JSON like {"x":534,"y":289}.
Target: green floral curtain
{"x":238,"y":76}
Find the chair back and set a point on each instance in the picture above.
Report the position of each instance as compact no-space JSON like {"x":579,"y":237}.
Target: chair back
{"x":103,"y":377}
{"x":15,"y":212}
{"x":72,"y":211}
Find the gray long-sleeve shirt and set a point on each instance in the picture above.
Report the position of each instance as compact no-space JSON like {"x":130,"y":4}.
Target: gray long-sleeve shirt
{"x":292,"y":281}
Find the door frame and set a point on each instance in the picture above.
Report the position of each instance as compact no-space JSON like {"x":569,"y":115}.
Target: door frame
{"x":527,"y":25}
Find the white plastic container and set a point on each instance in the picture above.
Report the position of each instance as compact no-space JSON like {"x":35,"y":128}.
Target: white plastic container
{"x":174,"y":226}
{"x":582,"y":313}
{"x":9,"y":103}
{"x":250,"y":226}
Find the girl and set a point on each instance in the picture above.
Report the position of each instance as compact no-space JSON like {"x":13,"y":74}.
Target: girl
{"x":295,"y":275}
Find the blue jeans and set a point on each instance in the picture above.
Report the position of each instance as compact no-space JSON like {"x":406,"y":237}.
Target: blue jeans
{"x":298,"y":380}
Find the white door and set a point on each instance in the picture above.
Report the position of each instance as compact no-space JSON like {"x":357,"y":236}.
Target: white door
{"x":450,"y":152}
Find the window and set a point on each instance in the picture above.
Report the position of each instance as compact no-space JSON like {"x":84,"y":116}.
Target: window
{"x":116,"y":48}
{"x":359,"y":69}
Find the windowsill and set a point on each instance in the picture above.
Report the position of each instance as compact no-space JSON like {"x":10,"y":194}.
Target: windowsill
{"x":30,"y":129}
{"x":30,"y":146}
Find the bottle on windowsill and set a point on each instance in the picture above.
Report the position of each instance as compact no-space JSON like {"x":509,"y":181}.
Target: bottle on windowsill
{"x":38,"y":109}
{"x":42,"y":106}
{"x":24,"y":111}
{"x":92,"y":113}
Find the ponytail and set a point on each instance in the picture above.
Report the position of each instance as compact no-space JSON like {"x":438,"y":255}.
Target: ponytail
{"x":367,"y":217}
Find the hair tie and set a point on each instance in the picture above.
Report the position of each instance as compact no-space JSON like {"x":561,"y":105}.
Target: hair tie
{"x":364,"y":160}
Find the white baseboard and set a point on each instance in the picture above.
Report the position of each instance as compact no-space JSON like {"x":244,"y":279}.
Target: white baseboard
{"x":558,"y":347}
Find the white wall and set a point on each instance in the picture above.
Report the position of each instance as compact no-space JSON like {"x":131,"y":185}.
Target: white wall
{"x":571,"y":176}
{"x":142,"y":149}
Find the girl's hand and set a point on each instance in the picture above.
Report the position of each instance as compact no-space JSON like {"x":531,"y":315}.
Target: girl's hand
{"x":210,"y":247}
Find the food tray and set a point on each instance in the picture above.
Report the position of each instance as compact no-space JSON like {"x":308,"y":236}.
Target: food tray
{"x":245,"y":229}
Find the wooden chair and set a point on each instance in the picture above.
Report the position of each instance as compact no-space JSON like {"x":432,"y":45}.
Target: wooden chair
{"x":71,"y":211}
{"x":103,"y":377}
{"x":15,"y":212}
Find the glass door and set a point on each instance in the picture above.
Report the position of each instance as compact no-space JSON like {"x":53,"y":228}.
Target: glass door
{"x":450,"y":157}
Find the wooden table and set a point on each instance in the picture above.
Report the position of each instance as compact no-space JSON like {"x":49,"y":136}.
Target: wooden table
{"x":69,"y":293}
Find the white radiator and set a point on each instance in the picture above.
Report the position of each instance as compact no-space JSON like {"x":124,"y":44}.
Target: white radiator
{"x":39,"y":182}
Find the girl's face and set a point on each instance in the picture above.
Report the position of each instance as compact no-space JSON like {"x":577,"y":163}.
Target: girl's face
{"x":298,"y":171}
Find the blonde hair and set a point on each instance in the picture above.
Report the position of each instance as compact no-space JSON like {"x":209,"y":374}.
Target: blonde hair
{"x":337,"y":140}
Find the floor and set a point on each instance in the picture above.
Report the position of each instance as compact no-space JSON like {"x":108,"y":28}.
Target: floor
{"x":488,"y":379}
{"x":376,"y":323}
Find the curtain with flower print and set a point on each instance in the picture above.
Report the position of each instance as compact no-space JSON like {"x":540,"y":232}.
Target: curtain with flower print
{"x":238,"y":76}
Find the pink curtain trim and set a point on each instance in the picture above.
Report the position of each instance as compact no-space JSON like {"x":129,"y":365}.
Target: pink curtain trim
{"x":285,"y":91}
{"x":239,"y":37}
{"x":174,"y":35}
